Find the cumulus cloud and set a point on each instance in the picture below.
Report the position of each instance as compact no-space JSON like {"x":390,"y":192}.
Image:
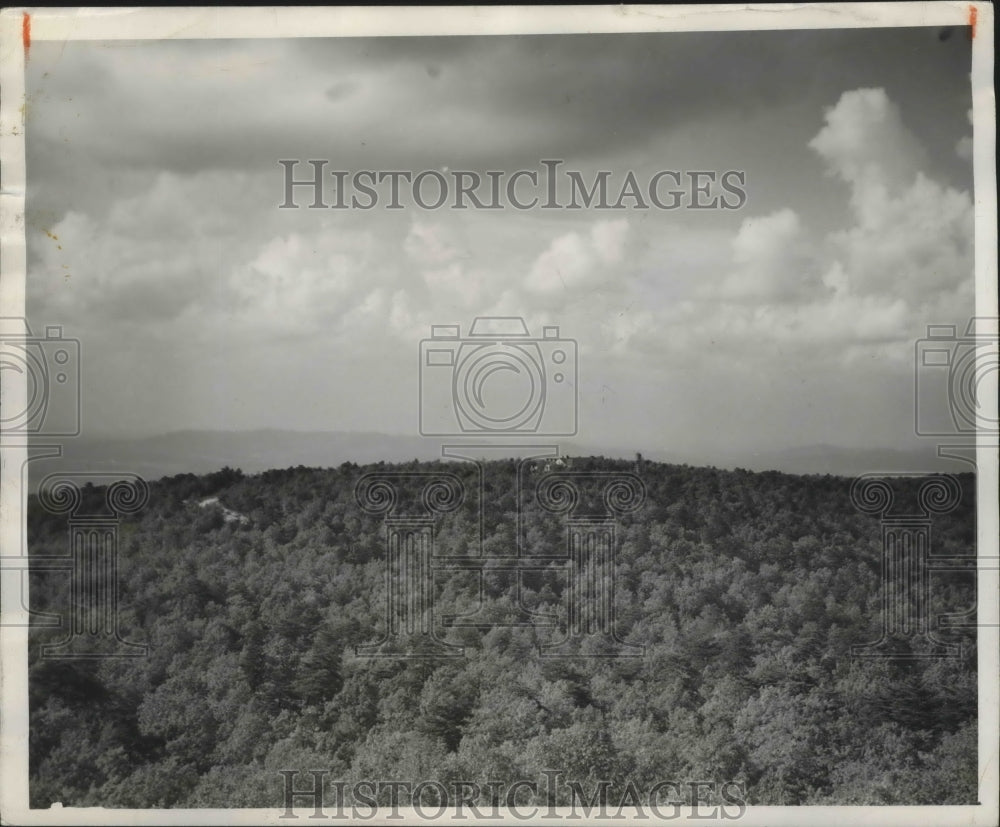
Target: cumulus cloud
{"x":911,"y":236}
{"x":861,"y":291}
{"x":917,"y":244}
{"x":430,"y":244}
{"x":176,"y":255}
{"x":449,"y":277}
{"x":910,"y":241}
{"x":166,"y":228}
{"x":176,"y":251}
{"x":576,"y":263}
{"x":773,"y":261}
{"x":149,"y":259}
{"x":866,"y":143}
{"x":299,"y":284}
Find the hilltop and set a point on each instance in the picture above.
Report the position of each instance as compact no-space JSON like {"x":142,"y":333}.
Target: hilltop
{"x":743,"y":593}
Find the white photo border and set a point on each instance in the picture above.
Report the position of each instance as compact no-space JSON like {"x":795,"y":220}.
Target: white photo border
{"x":21,"y":26}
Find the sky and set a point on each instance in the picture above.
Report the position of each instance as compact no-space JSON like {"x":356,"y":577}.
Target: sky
{"x":155,"y":238}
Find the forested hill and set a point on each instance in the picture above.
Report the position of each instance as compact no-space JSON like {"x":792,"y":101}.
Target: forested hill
{"x":746,"y":590}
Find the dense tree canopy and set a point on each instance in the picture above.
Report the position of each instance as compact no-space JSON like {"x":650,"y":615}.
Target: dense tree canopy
{"x":747,"y":591}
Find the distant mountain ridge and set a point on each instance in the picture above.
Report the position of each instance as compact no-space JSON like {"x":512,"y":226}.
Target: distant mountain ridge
{"x":200,"y":452}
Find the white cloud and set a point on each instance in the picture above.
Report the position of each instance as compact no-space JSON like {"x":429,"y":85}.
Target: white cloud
{"x":911,"y":236}
{"x":205,"y":259}
{"x":864,"y":291}
{"x":866,"y":143}
{"x":773,"y":261}
{"x":608,"y":239}
{"x":150,"y":259}
{"x":179,"y":249}
{"x":178,"y":259}
{"x":430,"y":244}
{"x":917,"y":244}
{"x":621,"y":328}
{"x":301,"y":284}
{"x":576,"y":263}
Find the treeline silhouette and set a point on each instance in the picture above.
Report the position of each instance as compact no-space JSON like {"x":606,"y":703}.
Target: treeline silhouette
{"x":747,"y":591}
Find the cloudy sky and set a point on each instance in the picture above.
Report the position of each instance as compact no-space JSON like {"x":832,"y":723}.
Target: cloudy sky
{"x":155,"y":238}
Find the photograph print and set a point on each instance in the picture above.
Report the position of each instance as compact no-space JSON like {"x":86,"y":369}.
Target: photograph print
{"x":499,"y":419}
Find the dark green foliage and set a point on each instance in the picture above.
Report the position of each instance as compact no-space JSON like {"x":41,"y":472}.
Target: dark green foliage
{"x":747,"y":591}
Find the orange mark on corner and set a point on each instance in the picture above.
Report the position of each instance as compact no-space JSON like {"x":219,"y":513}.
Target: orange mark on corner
{"x":973,"y":14}
{"x":26,"y":32}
